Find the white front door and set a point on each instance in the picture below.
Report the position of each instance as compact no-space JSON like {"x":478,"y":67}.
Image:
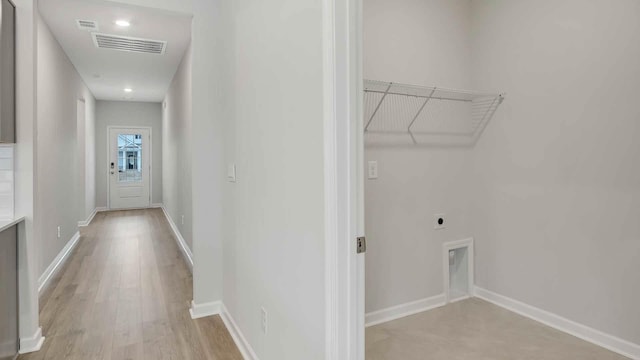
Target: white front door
{"x":129,"y":168}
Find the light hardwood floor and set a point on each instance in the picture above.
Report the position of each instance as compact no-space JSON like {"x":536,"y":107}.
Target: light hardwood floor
{"x":474,"y":329}
{"x":124,"y":294}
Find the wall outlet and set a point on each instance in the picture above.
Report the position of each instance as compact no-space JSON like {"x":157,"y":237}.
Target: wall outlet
{"x":372,"y":170}
{"x":182,"y":219}
{"x":231,"y":173}
{"x":263,"y":316}
{"x":59,"y":232}
{"x":439,"y":221}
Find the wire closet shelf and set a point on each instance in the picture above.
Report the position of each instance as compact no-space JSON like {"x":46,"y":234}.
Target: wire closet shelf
{"x":424,"y":115}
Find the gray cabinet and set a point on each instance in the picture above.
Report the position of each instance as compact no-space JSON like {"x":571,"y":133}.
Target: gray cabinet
{"x":7,"y":73}
{"x":9,"y":293}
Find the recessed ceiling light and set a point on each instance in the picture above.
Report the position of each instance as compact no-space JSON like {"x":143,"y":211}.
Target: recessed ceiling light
{"x":122,"y":23}
{"x":128,"y":90}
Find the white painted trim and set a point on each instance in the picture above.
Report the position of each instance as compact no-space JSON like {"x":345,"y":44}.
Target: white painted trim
{"x":460,"y":298}
{"x":198,"y":311}
{"x":453,"y":245}
{"x":152,"y":206}
{"x":85,"y":223}
{"x":344,"y":268}
{"x":607,"y":341}
{"x":32,"y":343}
{"x":402,"y":310}
{"x":182,"y":244}
{"x":241,"y":342}
{"x":59,"y":260}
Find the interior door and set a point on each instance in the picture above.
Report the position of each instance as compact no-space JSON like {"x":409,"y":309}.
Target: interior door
{"x":129,"y":168}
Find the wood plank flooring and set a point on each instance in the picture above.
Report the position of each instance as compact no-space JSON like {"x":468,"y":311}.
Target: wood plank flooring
{"x":124,"y":294}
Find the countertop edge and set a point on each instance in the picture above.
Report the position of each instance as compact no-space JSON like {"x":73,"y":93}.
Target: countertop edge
{"x":4,"y":226}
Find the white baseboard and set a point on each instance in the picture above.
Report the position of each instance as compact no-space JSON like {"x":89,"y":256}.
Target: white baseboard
{"x":607,"y":341}
{"x":59,"y":260}
{"x":32,"y":343}
{"x":86,"y":223}
{"x":155,"y":206}
{"x":241,"y":342}
{"x":198,"y":311}
{"x":186,"y":252}
{"x":400,"y":311}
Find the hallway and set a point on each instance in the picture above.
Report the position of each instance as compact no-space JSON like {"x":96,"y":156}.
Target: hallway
{"x":125,"y":294}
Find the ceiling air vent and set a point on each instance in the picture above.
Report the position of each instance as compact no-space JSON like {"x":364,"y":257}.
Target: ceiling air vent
{"x":89,"y":25}
{"x":125,"y":43}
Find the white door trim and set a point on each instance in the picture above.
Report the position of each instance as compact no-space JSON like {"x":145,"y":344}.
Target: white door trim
{"x":343,"y":154}
{"x":109,"y":128}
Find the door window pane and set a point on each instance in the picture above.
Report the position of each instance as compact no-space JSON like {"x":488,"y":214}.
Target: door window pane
{"x":129,"y":158}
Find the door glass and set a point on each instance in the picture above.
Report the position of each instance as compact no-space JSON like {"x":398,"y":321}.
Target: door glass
{"x":129,"y":158}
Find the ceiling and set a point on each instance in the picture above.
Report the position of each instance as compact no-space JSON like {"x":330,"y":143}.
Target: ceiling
{"x":108,"y":72}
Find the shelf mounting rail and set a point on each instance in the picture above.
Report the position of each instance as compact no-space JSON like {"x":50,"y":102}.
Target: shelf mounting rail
{"x":395,"y":108}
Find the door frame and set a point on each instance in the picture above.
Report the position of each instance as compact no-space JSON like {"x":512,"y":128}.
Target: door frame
{"x":343,"y":178}
{"x":111,"y":127}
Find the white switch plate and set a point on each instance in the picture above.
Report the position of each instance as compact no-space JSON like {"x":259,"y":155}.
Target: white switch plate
{"x":372,"y":170}
{"x":437,"y":219}
{"x":231,"y":173}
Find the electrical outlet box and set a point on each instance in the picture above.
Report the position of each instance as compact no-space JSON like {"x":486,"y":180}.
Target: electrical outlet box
{"x":231,"y":173}
{"x":263,"y":315}
{"x":59,"y":232}
{"x":182,"y":219}
{"x":439,"y":221}
{"x":372,"y":170}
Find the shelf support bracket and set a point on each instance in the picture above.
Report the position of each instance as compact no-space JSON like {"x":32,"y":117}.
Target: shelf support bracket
{"x":413,"y":138}
{"x":420,"y":111}
{"x":487,"y":115}
{"x":386,"y":92}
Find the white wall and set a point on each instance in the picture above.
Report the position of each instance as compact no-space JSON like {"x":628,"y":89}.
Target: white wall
{"x":85,"y":157}
{"x":557,"y":177}
{"x":25,"y":171}
{"x":210,"y":90}
{"x":425,"y":43}
{"x":177,"y":6}
{"x":57,"y":167}
{"x":127,"y":113}
{"x":176,"y":149}
{"x":90,"y":192}
{"x":276,"y":258}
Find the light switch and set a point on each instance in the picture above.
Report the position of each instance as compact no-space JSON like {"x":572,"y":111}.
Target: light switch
{"x":231,"y":173}
{"x":373,"y":170}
